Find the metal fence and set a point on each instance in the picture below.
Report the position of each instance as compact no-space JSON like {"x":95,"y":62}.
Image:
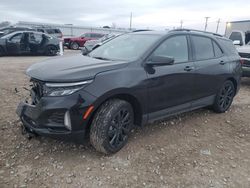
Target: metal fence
{"x":72,"y":30}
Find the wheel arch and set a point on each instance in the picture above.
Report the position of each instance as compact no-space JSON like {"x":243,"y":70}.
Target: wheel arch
{"x":234,"y":82}
{"x":131,"y":99}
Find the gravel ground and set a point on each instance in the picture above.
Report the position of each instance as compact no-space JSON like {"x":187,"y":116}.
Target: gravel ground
{"x":195,"y":149}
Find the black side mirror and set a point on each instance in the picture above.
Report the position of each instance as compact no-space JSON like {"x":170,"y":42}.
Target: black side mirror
{"x":160,"y":60}
{"x":85,"y":51}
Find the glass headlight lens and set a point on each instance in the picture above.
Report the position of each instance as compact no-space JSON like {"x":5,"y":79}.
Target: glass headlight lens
{"x":62,"y":89}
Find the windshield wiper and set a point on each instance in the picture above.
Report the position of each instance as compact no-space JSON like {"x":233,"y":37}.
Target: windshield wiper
{"x":102,"y":58}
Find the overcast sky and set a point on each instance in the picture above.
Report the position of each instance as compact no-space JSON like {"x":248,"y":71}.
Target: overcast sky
{"x":154,"y":14}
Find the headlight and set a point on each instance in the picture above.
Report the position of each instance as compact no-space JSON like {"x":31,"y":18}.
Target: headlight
{"x":62,"y":89}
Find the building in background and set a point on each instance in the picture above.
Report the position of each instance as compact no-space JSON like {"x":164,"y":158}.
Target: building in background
{"x":243,"y":26}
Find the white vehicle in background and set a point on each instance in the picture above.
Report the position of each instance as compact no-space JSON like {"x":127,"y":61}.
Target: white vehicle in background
{"x":242,"y":42}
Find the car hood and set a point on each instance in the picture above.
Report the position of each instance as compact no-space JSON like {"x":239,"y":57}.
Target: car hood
{"x":71,"y":68}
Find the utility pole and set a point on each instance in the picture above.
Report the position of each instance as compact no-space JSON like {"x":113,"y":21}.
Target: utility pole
{"x":130,"y":24}
{"x":206,"y":23}
{"x":181,"y":23}
{"x":218,"y":23}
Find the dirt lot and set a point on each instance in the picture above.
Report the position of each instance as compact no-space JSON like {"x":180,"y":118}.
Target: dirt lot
{"x":196,"y":149}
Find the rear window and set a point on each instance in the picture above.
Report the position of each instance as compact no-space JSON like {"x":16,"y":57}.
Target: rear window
{"x":217,"y":50}
{"x":203,"y":47}
{"x":236,"y":36}
{"x":228,"y":45}
{"x":96,"y":35}
{"x":53,"y":31}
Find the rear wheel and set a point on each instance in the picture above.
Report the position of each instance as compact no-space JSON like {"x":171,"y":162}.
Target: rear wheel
{"x":51,"y":50}
{"x":111,"y":126}
{"x":224,"y":98}
{"x":74,"y":46}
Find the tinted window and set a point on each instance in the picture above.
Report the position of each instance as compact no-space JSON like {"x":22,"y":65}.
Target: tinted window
{"x":175,"y":47}
{"x":203,"y":47}
{"x":35,"y":38}
{"x":40,"y":30}
{"x":217,"y":50}
{"x":50,"y":31}
{"x":16,"y":38}
{"x":88,"y":35}
{"x":236,"y":36}
{"x":57,"y":31}
{"x":228,"y":45}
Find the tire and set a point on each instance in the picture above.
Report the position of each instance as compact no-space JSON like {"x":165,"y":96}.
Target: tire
{"x":224,"y":97}
{"x":51,"y":50}
{"x":111,"y":126}
{"x":74,"y":46}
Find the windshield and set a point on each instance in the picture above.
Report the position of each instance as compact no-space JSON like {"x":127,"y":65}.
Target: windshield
{"x":125,"y":47}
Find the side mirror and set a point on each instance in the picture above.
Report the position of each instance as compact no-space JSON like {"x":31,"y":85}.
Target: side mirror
{"x":1,"y":33}
{"x":160,"y":61}
{"x":84,"y":51}
{"x":236,"y":42}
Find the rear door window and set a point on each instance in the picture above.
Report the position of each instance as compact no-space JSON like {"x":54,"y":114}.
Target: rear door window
{"x":203,"y":47}
{"x":228,"y":45}
{"x":176,"y":47}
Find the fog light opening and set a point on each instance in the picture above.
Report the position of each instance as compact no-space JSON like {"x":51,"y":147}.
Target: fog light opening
{"x":67,"y":121}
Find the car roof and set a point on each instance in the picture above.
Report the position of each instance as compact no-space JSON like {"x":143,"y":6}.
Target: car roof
{"x":24,"y":31}
{"x":149,"y":33}
{"x":180,"y":31}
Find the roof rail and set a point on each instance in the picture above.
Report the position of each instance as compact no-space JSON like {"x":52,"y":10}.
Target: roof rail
{"x":190,"y":30}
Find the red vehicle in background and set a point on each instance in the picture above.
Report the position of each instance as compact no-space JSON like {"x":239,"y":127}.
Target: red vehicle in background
{"x":76,"y":42}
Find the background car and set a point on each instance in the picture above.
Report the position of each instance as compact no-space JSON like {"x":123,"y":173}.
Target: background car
{"x":76,"y":42}
{"x":91,"y":43}
{"x":8,"y":30}
{"x":28,"y":42}
{"x":54,"y":32}
{"x":241,"y":41}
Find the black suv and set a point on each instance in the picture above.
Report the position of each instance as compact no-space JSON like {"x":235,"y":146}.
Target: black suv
{"x":133,"y":79}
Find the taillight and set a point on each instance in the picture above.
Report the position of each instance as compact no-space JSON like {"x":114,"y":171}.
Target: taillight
{"x":242,"y":61}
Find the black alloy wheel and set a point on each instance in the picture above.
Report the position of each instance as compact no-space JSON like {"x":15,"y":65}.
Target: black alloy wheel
{"x":225,"y":97}
{"x":111,"y":125}
{"x":119,"y":128}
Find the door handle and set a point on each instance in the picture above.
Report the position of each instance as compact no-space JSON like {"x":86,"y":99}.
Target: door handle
{"x":188,"y":68}
{"x":222,"y":62}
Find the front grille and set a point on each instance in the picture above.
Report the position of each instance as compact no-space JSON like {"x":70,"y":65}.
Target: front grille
{"x":244,"y":55}
{"x":36,"y":91}
{"x":57,"y":117}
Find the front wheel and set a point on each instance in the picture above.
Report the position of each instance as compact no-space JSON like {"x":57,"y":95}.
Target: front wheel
{"x":224,"y":97}
{"x":111,"y":126}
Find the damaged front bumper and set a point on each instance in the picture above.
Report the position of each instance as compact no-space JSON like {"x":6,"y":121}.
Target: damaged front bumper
{"x":57,"y":117}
